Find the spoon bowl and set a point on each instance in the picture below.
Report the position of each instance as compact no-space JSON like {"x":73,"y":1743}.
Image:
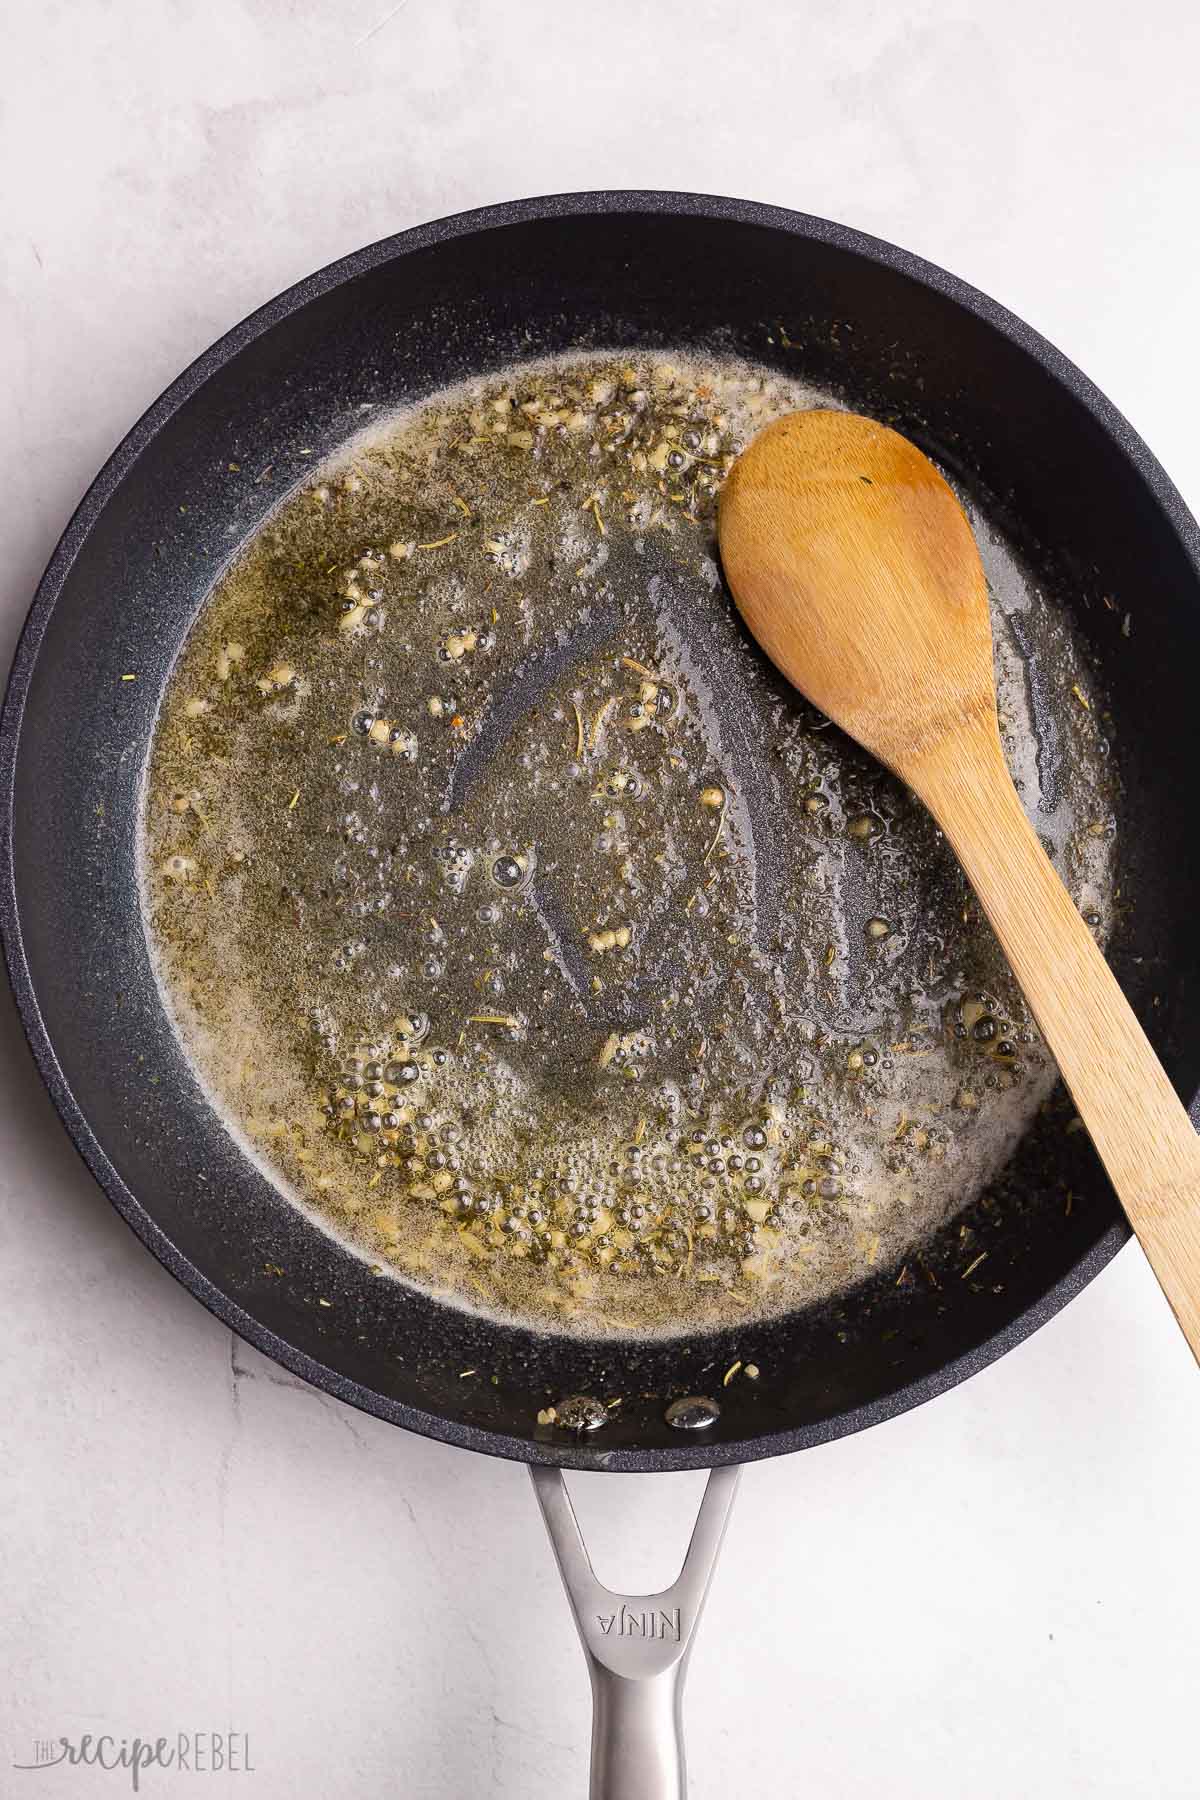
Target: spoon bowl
{"x":852,"y":563}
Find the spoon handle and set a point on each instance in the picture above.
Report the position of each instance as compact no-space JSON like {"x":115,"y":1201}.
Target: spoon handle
{"x":1125,"y":1099}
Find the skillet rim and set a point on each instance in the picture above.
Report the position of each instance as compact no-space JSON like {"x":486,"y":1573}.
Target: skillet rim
{"x":139,"y":440}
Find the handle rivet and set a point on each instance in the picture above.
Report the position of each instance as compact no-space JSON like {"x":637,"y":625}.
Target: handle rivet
{"x":581,"y":1413}
{"x":693,"y":1413}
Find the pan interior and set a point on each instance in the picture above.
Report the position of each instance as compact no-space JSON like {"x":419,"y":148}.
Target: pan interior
{"x":547,"y":947}
{"x":1069,"y":484}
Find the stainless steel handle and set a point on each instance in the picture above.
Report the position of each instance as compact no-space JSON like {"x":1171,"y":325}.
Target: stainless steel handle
{"x":636,"y":1645}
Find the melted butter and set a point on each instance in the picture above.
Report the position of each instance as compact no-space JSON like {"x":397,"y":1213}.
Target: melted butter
{"x":536,"y":938}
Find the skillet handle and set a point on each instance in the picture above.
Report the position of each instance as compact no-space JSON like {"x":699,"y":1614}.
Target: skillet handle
{"x":636,"y":1645}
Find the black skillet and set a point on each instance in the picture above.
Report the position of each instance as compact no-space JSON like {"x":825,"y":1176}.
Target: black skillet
{"x":894,"y":336}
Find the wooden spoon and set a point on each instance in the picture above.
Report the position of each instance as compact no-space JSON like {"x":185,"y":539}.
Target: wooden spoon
{"x":853,"y":565}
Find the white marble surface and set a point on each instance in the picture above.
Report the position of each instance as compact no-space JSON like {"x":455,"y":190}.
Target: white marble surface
{"x":995,"y":1596}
